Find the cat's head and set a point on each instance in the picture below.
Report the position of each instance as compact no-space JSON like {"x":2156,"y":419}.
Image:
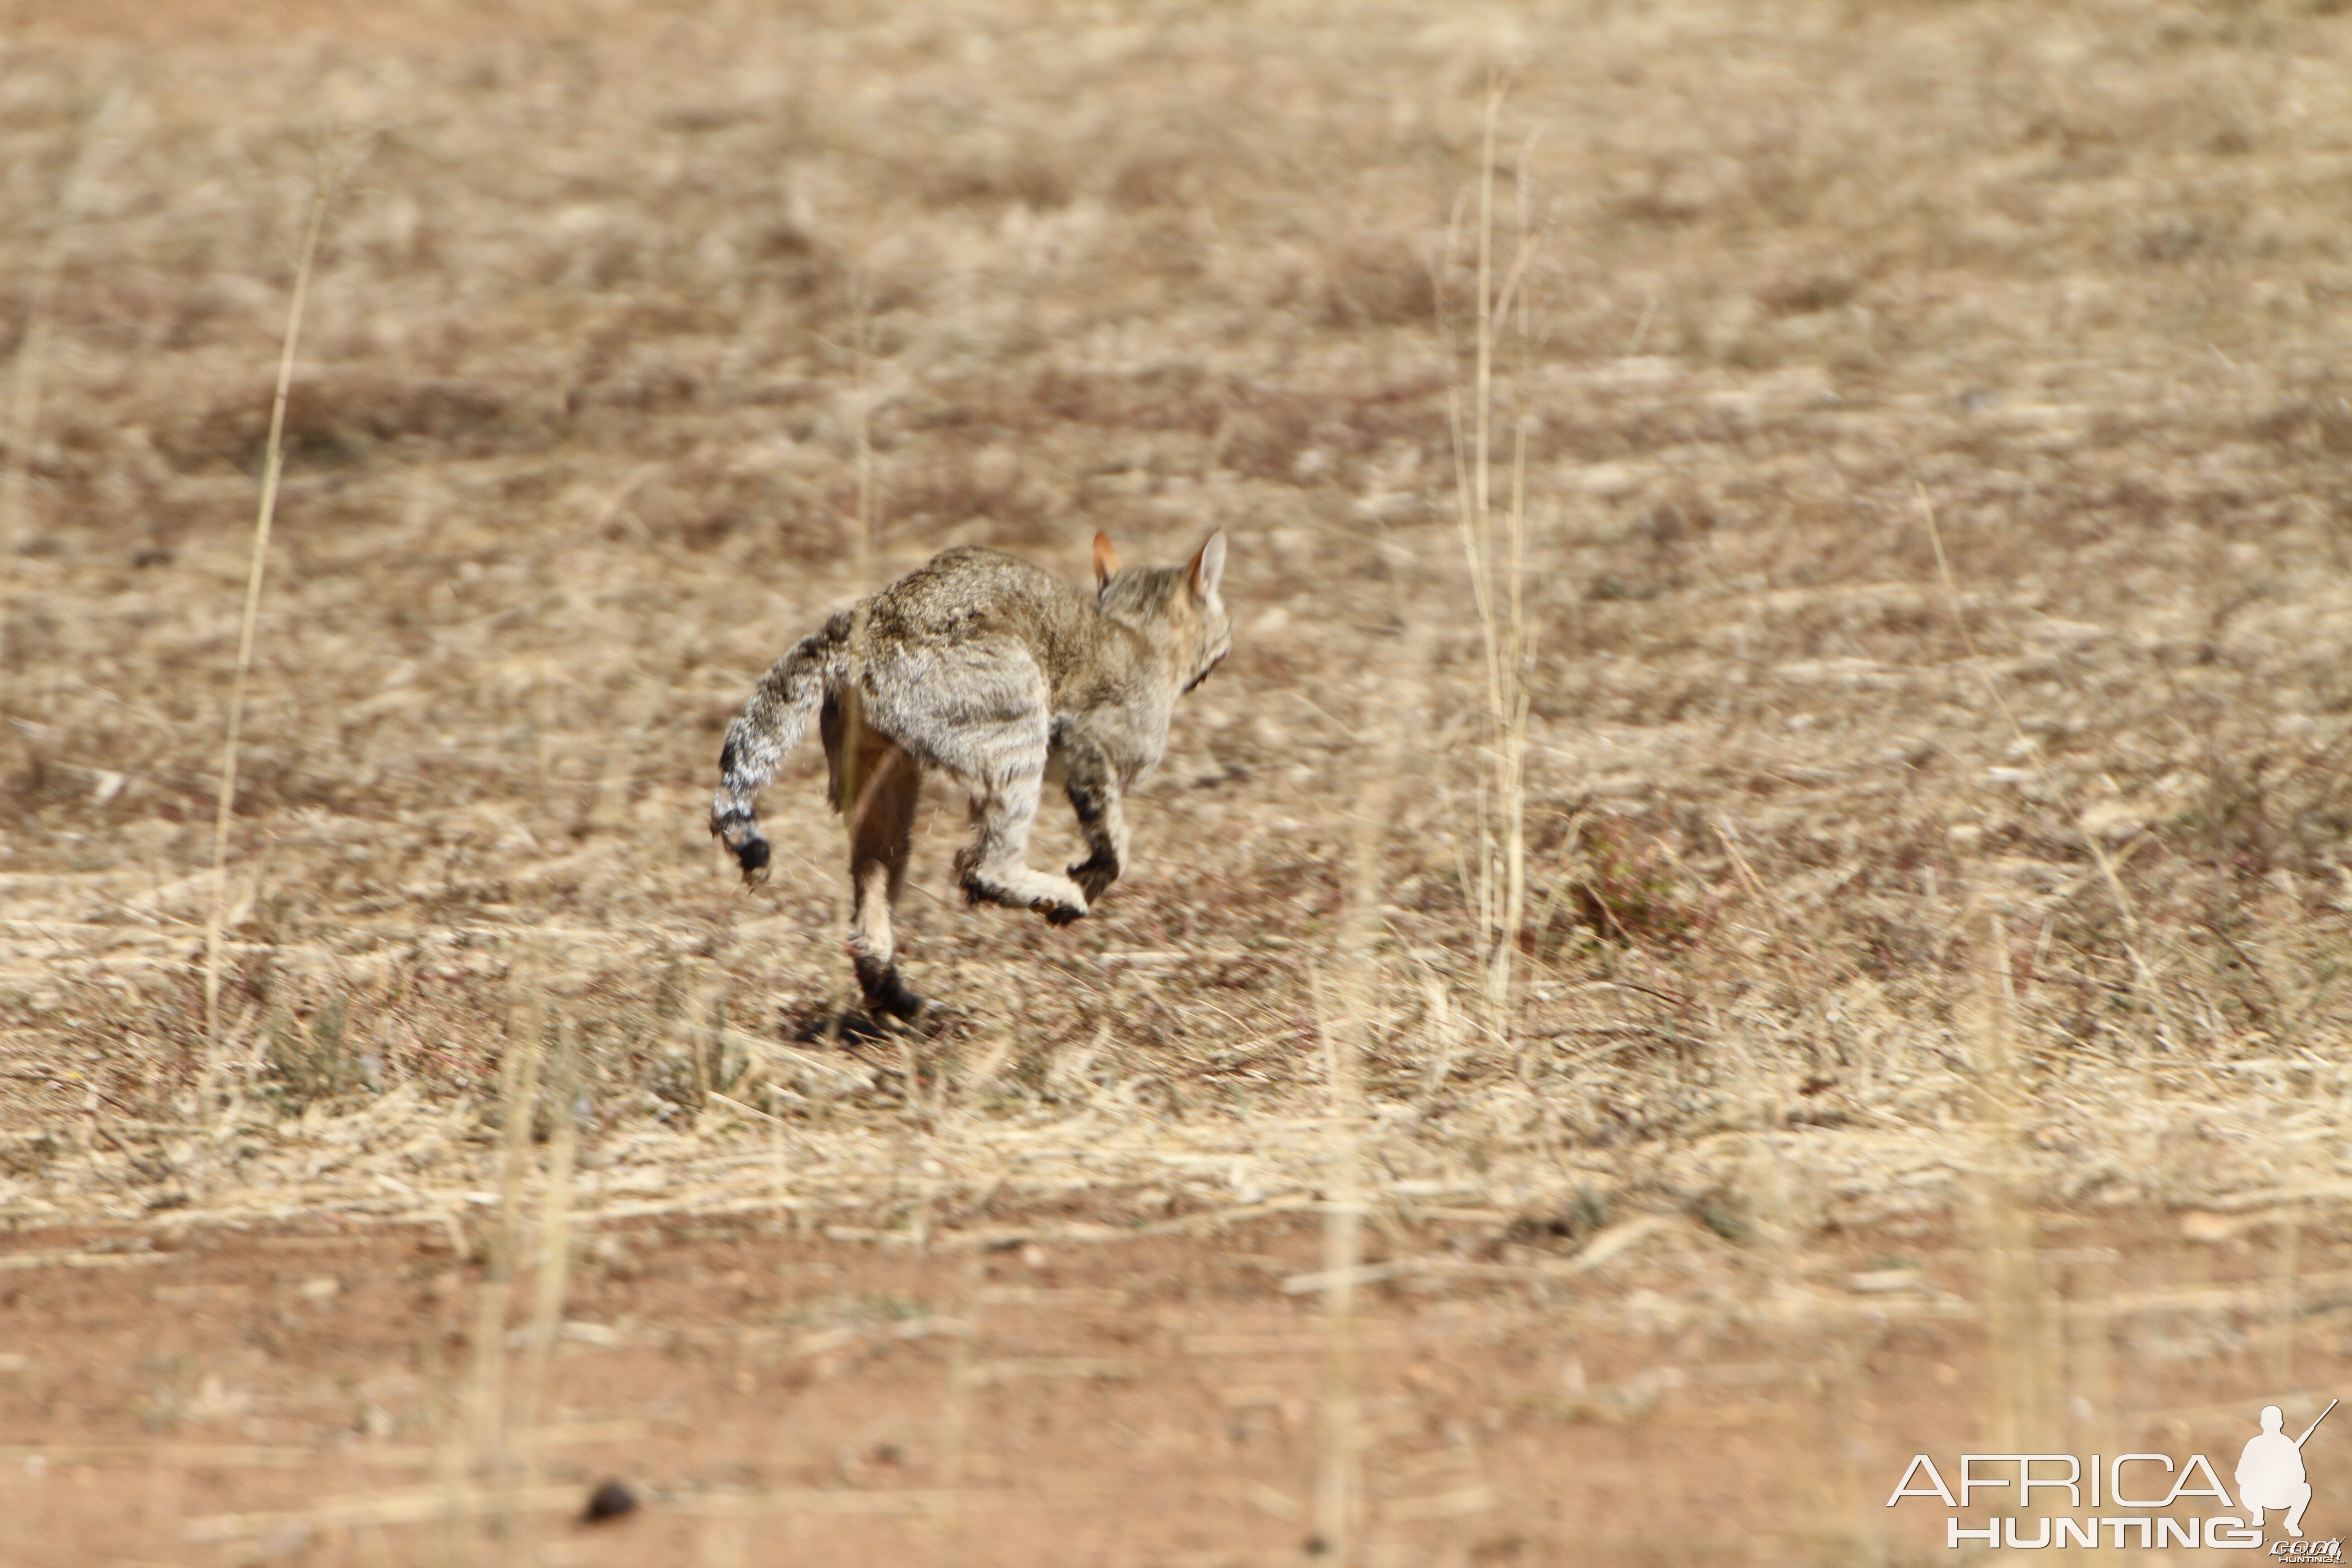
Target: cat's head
{"x":1180,"y":603}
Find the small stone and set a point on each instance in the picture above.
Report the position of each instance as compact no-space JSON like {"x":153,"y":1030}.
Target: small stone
{"x":611,"y":1499}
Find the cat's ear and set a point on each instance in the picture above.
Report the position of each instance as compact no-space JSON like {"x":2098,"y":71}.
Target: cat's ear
{"x":1106,"y":562}
{"x":1208,"y":567}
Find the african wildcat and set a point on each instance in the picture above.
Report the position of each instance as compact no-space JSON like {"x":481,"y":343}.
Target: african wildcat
{"x":986,"y":668}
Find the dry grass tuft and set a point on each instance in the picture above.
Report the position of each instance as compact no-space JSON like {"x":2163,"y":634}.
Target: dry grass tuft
{"x":651,"y":336}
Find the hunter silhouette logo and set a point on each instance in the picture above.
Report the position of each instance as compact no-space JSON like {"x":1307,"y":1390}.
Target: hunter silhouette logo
{"x":2271,"y":1473}
{"x":2130,"y":1500}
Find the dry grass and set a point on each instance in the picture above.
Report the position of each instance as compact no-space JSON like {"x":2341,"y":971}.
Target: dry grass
{"x":638,"y":317}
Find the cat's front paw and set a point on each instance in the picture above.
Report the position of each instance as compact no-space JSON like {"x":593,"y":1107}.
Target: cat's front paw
{"x":1093,"y":875}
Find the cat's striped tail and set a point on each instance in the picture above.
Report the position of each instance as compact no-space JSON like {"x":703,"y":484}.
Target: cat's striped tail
{"x":763,"y":734}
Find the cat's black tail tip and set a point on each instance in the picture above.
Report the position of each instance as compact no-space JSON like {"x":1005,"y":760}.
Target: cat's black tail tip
{"x":752,"y":856}
{"x":735,"y":827}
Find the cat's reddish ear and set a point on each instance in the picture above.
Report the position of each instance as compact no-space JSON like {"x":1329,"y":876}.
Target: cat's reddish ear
{"x":1209,"y":567}
{"x":1105,"y":561}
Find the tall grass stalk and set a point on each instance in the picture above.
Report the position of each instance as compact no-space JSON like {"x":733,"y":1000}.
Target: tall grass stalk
{"x":272,"y":465}
{"x":2087,"y":1319}
{"x":1483,"y":409}
{"x":1338,"y":1478}
{"x":551,"y":1278}
{"x":1511,"y":741}
{"x":445,"y":1416}
{"x":2284,"y":1266}
{"x":2017,"y":1320}
{"x":851,"y":791}
{"x":486,"y":1427}
{"x":1347,"y":1032}
{"x":1502,"y":617}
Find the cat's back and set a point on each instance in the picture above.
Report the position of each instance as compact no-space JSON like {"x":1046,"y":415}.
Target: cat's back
{"x":973,"y":593}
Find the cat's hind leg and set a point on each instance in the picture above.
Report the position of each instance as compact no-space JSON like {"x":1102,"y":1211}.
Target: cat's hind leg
{"x":876,"y":784}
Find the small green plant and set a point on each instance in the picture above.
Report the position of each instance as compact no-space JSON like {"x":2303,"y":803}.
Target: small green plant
{"x":310,"y":1059}
{"x":1622,"y":891}
{"x":1726,"y":1215}
{"x":1574,"y":1221}
{"x":30,"y":1156}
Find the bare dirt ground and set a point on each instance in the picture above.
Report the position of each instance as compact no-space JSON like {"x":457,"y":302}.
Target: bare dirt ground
{"x":1129,"y":1399}
{"x":1927,"y":806}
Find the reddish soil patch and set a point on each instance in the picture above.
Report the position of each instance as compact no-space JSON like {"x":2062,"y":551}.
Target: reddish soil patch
{"x":303,"y":1398}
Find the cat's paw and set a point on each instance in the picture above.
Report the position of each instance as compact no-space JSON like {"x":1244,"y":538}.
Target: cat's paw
{"x":1093,"y":875}
{"x":886,"y":996}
